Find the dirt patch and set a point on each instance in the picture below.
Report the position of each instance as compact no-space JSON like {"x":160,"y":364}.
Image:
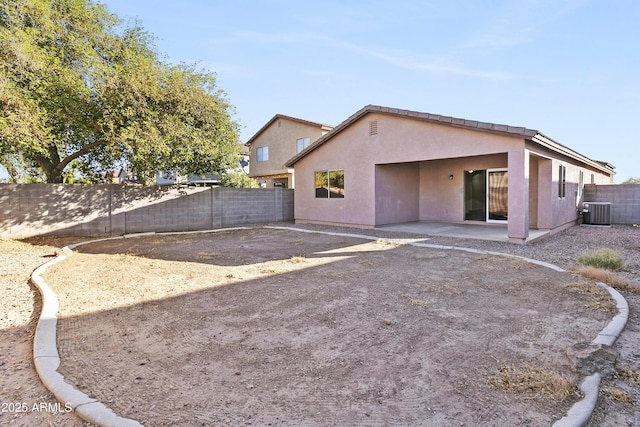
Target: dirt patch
{"x":24,"y":401}
{"x":274,"y":327}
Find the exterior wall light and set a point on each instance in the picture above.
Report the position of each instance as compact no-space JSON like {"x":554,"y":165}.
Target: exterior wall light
{"x":451,"y":177}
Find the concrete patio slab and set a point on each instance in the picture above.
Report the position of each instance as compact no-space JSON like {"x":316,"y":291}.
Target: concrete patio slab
{"x":467,"y":230}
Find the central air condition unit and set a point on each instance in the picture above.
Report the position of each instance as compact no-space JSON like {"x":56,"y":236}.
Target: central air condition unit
{"x":596,"y":213}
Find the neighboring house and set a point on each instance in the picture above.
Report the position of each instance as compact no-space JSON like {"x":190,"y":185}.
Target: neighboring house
{"x":245,"y":153}
{"x":118,"y":176}
{"x":169,"y":178}
{"x":384,"y":166}
{"x":275,"y":143}
{"x":204,"y":181}
{"x":174,"y":178}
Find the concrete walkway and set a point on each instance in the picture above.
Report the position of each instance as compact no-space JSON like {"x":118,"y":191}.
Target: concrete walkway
{"x":467,"y":230}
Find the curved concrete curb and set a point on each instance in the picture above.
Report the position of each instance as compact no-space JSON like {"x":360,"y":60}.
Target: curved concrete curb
{"x":45,"y":349}
{"x":47,"y":359}
{"x":581,"y":411}
{"x":612,"y":331}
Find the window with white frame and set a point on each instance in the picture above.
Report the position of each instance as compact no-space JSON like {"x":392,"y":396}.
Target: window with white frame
{"x":302,"y":143}
{"x":262,"y":154}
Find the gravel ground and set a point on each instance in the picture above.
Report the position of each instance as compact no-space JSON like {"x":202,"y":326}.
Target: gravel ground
{"x":619,"y":403}
{"x":561,"y":249}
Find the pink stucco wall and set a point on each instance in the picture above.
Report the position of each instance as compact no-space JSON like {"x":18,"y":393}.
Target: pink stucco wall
{"x":401,"y":173}
{"x":423,"y":182}
{"x":554,"y":212}
{"x":397,"y":193}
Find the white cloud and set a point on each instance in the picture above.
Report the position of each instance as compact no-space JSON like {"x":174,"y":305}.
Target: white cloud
{"x":407,"y":61}
{"x":266,"y":38}
{"x":397,"y":58}
{"x":518,"y":23}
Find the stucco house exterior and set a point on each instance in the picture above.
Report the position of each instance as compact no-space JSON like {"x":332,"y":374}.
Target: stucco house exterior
{"x":385,"y":166}
{"x":277,"y":141}
{"x":118,"y":176}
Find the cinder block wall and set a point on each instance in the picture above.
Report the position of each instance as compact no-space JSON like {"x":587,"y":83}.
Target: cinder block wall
{"x":95,"y":210}
{"x":245,"y":206}
{"x":624,"y":199}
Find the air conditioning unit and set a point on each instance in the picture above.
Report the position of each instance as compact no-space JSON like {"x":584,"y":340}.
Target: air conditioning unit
{"x":596,"y":213}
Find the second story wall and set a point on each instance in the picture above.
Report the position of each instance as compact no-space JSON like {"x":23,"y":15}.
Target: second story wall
{"x":278,"y":139}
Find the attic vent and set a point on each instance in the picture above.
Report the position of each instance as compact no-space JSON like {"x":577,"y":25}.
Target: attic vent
{"x":373,"y":127}
{"x":279,"y":123}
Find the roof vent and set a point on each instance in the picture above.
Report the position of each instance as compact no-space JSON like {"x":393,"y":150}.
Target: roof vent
{"x":373,"y":127}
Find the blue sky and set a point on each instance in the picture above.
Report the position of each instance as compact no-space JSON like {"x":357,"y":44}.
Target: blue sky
{"x":567,"y":68}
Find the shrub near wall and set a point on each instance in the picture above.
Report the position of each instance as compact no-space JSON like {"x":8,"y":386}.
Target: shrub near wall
{"x":94,"y":210}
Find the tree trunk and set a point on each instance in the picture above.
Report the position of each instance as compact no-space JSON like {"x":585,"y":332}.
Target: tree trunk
{"x":51,"y":166}
{"x":54,"y":176}
{"x":52,"y":172}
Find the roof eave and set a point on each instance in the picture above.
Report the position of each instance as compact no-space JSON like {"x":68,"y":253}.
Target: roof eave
{"x":513,"y":131}
{"x":549,"y":143}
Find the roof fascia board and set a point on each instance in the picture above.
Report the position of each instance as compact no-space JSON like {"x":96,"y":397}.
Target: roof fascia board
{"x":549,"y":143}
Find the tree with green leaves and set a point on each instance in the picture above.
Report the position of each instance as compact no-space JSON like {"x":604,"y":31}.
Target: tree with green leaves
{"x":632,"y":181}
{"x":79,"y":89}
{"x":238,"y":179}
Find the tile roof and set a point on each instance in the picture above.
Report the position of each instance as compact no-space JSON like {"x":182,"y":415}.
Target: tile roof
{"x":516,"y":131}
{"x":473,"y":124}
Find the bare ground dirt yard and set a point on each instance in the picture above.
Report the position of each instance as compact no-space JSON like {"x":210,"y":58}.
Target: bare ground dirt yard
{"x":278,"y":327}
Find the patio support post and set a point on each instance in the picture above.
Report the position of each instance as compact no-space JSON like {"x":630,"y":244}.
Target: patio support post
{"x":545,"y":185}
{"x":518,"y":223}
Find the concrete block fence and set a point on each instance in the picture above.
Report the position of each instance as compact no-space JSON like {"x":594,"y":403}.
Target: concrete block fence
{"x":110,"y":209}
{"x":624,"y":199}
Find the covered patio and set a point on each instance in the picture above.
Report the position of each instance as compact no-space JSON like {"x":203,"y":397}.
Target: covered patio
{"x":400,"y":166}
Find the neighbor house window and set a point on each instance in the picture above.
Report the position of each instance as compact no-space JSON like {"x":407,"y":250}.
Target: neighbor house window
{"x":562,"y":181}
{"x":302,"y":143}
{"x":330,"y":184}
{"x":262,"y":154}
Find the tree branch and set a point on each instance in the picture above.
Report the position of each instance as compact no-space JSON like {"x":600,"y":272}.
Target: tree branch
{"x":81,"y":152}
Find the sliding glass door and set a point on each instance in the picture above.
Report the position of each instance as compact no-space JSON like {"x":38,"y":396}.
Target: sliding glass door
{"x":486,"y":195}
{"x":497,"y":195}
{"x":475,"y":195}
